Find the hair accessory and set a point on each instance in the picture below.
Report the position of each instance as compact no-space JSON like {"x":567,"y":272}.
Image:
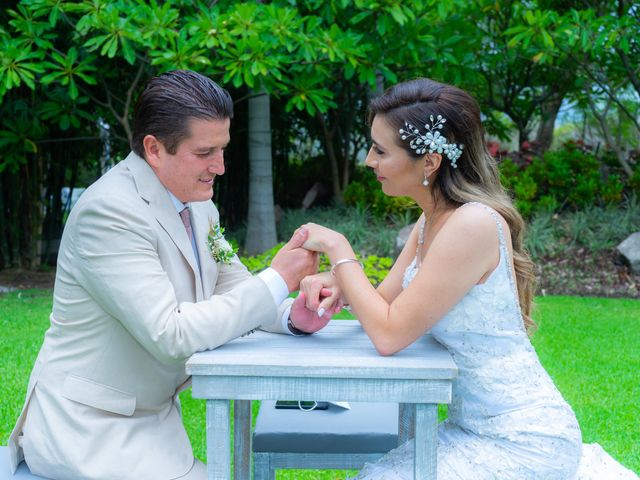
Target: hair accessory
{"x":432,"y":141}
{"x":425,"y":182}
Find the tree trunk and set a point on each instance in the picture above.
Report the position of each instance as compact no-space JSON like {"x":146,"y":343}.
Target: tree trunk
{"x":549,"y":110}
{"x":4,"y":245}
{"x":27,"y":212}
{"x":261,"y":224}
{"x":333,"y":160}
{"x":379,"y":90}
{"x":11,"y":209}
{"x":601,"y":117}
{"x":523,"y":134}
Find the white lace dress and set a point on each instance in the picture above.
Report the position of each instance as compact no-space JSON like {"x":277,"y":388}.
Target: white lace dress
{"x":507,"y":420}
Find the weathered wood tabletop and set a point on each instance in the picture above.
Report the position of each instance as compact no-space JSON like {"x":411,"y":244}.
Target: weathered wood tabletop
{"x":338,"y":363}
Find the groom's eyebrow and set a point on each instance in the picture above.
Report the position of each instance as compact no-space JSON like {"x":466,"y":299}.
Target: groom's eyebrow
{"x":207,"y":149}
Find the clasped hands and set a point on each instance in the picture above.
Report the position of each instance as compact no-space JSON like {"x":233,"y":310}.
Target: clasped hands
{"x":297,"y":263}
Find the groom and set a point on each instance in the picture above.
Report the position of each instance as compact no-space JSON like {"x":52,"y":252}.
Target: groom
{"x":139,"y":288}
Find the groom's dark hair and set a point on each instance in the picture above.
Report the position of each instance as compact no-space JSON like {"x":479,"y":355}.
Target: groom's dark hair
{"x":170,"y":100}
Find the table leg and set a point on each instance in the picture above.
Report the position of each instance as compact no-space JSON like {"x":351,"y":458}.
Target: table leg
{"x":426,"y":443}
{"x":242,"y":439}
{"x":218,"y":440}
{"x":406,"y":422}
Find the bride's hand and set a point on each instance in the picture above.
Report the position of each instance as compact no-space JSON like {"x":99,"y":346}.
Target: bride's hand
{"x":321,"y":239}
{"x":321,"y":293}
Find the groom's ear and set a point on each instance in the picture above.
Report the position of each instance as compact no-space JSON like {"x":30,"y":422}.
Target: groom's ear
{"x":152,"y":150}
{"x":432,"y":162}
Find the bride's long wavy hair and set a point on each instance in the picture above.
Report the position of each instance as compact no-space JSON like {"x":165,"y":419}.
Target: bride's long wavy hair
{"x":476,"y":179}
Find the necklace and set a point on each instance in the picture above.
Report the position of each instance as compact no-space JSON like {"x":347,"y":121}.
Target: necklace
{"x":421,"y":234}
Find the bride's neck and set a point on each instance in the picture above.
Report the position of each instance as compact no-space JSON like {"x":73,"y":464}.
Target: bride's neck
{"x":430,"y":205}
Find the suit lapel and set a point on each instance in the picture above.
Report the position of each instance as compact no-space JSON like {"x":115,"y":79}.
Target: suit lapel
{"x":156,"y":195}
{"x":201,"y":223}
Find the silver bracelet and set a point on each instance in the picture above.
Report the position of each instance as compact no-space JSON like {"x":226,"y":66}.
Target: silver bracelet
{"x":345,"y":260}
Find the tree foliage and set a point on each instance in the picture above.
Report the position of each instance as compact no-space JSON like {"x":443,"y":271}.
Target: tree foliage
{"x":65,"y":64}
{"x":600,"y":44}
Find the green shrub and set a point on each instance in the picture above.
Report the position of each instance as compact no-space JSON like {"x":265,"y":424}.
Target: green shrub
{"x":257,"y":263}
{"x":571,"y":178}
{"x":376,"y":268}
{"x":634,"y":181}
{"x":594,"y":228}
{"x":368,"y":234}
{"x":365,"y":192}
{"x":540,"y":235}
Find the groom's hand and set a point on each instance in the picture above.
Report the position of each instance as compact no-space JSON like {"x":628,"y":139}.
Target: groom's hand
{"x":293,"y":262}
{"x":308,"y":320}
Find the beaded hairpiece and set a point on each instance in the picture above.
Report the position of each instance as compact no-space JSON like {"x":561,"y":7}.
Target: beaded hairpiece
{"x":432,"y":141}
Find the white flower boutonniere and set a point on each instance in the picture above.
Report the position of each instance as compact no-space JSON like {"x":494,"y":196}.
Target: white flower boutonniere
{"x":221,"y":250}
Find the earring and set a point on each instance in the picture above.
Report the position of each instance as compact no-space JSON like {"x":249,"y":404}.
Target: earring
{"x":425,"y":182}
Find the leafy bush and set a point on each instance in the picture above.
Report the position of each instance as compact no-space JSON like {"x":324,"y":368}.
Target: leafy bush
{"x":372,"y":239}
{"x":365,"y":192}
{"x":376,"y":268}
{"x":595,"y":228}
{"x":257,"y":263}
{"x":540,"y":236}
{"x":368,"y":234}
{"x":571,"y":178}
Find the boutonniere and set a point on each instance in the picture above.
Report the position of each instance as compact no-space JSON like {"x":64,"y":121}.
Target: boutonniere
{"x":221,"y":250}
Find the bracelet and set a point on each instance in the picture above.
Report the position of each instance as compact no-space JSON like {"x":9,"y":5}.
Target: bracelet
{"x":345,"y":260}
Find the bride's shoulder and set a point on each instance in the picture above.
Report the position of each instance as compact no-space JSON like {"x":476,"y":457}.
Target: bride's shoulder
{"x":475,"y":214}
{"x":474,"y":222}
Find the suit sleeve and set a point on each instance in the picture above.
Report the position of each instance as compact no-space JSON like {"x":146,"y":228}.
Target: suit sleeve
{"x":235,"y":273}
{"x":119,"y":266}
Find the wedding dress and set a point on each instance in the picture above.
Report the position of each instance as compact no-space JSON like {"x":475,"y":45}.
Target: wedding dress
{"x":507,"y":420}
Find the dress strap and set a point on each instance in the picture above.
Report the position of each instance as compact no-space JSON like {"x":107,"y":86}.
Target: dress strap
{"x":504,"y":254}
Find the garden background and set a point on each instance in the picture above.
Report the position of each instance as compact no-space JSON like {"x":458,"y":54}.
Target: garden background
{"x":559,"y":87}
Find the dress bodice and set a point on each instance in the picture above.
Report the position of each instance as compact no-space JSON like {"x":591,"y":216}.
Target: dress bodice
{"x":500,"y":378}
{"x":507,"y":420}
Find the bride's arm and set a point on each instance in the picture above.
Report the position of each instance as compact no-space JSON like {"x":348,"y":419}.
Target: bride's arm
{"x":389,"y":288}
{"x":465,"y":249}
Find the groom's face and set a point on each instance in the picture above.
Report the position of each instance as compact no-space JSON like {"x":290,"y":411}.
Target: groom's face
{"x":190,"y":172}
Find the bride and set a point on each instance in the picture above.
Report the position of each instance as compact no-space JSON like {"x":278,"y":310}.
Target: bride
{"x":465,"y":277}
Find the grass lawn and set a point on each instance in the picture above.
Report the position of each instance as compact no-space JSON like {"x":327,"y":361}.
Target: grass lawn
{"x":590,"y":346}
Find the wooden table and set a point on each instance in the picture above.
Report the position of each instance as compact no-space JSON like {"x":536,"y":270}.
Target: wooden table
{"x":338,"y":363}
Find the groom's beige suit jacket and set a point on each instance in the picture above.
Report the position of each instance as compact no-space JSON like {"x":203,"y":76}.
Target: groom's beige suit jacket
{"x":130,"y":306}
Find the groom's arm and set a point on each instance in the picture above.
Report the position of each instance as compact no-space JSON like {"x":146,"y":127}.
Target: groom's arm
{"x":235,"y":273}
{"x":288,"y":267}
{"x":116,"y":260}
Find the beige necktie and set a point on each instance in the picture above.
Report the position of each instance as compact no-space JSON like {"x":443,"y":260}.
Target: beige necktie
{"x":186,"y":221}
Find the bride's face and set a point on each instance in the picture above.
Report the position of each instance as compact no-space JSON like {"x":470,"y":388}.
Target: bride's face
{"x":398,"y":173}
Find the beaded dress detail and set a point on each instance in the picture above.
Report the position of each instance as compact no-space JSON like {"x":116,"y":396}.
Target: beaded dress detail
{"x":507,"y":420}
